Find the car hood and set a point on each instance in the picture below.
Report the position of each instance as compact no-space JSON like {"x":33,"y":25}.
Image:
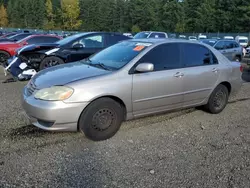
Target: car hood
{"x":64,"y":74}
{"x":37,"y":47}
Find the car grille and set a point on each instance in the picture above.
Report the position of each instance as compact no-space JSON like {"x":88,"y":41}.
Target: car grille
{"x":31,"y":88}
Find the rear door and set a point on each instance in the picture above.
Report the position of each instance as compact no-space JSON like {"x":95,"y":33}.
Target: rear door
{"x":161,"y":89}
{"x":201,"y":72}
{"x":90,"y":44}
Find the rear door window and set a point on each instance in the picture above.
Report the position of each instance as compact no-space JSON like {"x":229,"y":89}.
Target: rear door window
{"x":228,"y":45}
{"x":236,"y":45}
{"x":42,"y":39}
{"x":197,"y":55}
{"x":164,"y":57}
{"x":112,"y":39}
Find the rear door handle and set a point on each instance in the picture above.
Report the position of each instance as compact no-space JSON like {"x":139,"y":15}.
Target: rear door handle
{"x":215,"y":70}
{"x":178,"y":75}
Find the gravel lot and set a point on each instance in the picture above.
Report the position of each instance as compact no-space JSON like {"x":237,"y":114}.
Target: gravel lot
{"x":190,"y":148}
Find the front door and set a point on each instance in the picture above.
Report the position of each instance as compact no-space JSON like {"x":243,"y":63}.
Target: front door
{"x":161,"y":89}
{"x":201,"y":73}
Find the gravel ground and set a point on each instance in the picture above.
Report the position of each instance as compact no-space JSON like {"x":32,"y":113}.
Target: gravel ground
{"x":189,"y":148}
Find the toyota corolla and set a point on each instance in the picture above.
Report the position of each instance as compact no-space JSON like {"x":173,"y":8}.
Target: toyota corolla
{"x":128,"y":80}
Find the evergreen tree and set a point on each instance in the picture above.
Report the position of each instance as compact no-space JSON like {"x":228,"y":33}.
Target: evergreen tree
{"x":49,"y":22}
{"x":70,"y":14}
{"x":3,"y":16}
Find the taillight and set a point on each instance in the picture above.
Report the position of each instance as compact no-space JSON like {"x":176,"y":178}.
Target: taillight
{"x":241,"y":68}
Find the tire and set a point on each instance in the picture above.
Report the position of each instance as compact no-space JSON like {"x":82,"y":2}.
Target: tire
{"x":101,"y":119}
{"x":50,"y":62}
{"x":4,"y":56}
{"x":218,"y":100}
{"x":237,"y":58}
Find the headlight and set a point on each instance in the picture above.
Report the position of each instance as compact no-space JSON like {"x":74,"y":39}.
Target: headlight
{"x":55,"y":93}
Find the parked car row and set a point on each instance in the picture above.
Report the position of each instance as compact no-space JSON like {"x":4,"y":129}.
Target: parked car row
{"x":29,"y":60}
{"x":34,"y":53}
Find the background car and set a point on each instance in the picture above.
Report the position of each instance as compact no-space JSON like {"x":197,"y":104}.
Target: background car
{"x":131,"y":79}
{"x":8,"y":35}
{"x":228,"y":37}
{"x":210,"y":42}
{"x":9,"y":49}
{"x":15,"y":38}
{"x":192,"y":38}
{"x":230,"y":48}
{"x":242,"y":40}
{"x":150,"y":34}
{"x":182,"y":37}
{"x":72,"y":48}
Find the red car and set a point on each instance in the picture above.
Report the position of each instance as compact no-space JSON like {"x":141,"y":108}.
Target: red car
{"x":8,"y":49}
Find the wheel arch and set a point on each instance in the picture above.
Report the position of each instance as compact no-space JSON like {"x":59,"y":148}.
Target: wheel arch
{"x":228,"y":86}
{"x":5,"y":51}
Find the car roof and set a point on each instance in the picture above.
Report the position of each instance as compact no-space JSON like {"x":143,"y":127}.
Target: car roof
{"x":152,"y":32}
{"x":228,"y":40}
{"x":161,"y":40}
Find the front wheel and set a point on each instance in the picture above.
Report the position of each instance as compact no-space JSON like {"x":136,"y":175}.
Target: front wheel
{"x":218,"y":100}
{"x":4,"y":56}
{"x":101,"y":119}
{"x":50,"y":62}
{"x":237,"y":58}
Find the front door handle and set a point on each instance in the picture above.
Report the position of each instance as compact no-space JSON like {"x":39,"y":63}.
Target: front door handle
{"x":215,"y":70}
{"x":178,"y":75}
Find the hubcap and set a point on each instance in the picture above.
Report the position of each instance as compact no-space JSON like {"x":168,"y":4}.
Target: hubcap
{"x":219,"y":99}
{"x":103,"y":119}
{"x":51,"y":63}
{"x":3,"y":58}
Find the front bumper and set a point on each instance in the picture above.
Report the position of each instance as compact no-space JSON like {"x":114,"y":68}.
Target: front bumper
{"x":52,"y":116}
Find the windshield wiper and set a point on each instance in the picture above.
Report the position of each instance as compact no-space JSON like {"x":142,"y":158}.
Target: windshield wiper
{"x":103,"y":66}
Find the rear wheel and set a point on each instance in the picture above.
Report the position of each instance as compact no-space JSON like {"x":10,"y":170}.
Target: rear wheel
{"x":218,"y":100}
{"x":101,"y":119}
{"x":50,"y":62}
{"x":237,"y":58}
{"x":4,"y":56}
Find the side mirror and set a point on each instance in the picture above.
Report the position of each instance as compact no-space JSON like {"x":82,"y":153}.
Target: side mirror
{"x":78,"y":46}
{"x":25,"y":43}
{"x":145,"y":67}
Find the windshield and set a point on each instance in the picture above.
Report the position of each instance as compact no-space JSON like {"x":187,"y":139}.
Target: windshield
{"x":243,"y":41}
{"x":141,"y":35}
{"x":118,"y":55}
{"x":69,"y":39}
{"x":209,"y":42}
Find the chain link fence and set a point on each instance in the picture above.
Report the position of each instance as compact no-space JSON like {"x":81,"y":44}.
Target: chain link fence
{"x":171,"y":35}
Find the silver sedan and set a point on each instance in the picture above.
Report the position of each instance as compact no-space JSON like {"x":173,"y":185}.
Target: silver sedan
{"x":131,"y":79}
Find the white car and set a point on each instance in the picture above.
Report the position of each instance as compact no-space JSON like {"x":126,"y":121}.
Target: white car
{"x":229,"y":37}
{"x":192,"y":38}
{"x":243,"y":41}
{"x":202,"y":37}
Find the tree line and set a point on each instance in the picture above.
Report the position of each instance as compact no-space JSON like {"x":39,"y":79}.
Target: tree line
{"x":128,"y":15}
